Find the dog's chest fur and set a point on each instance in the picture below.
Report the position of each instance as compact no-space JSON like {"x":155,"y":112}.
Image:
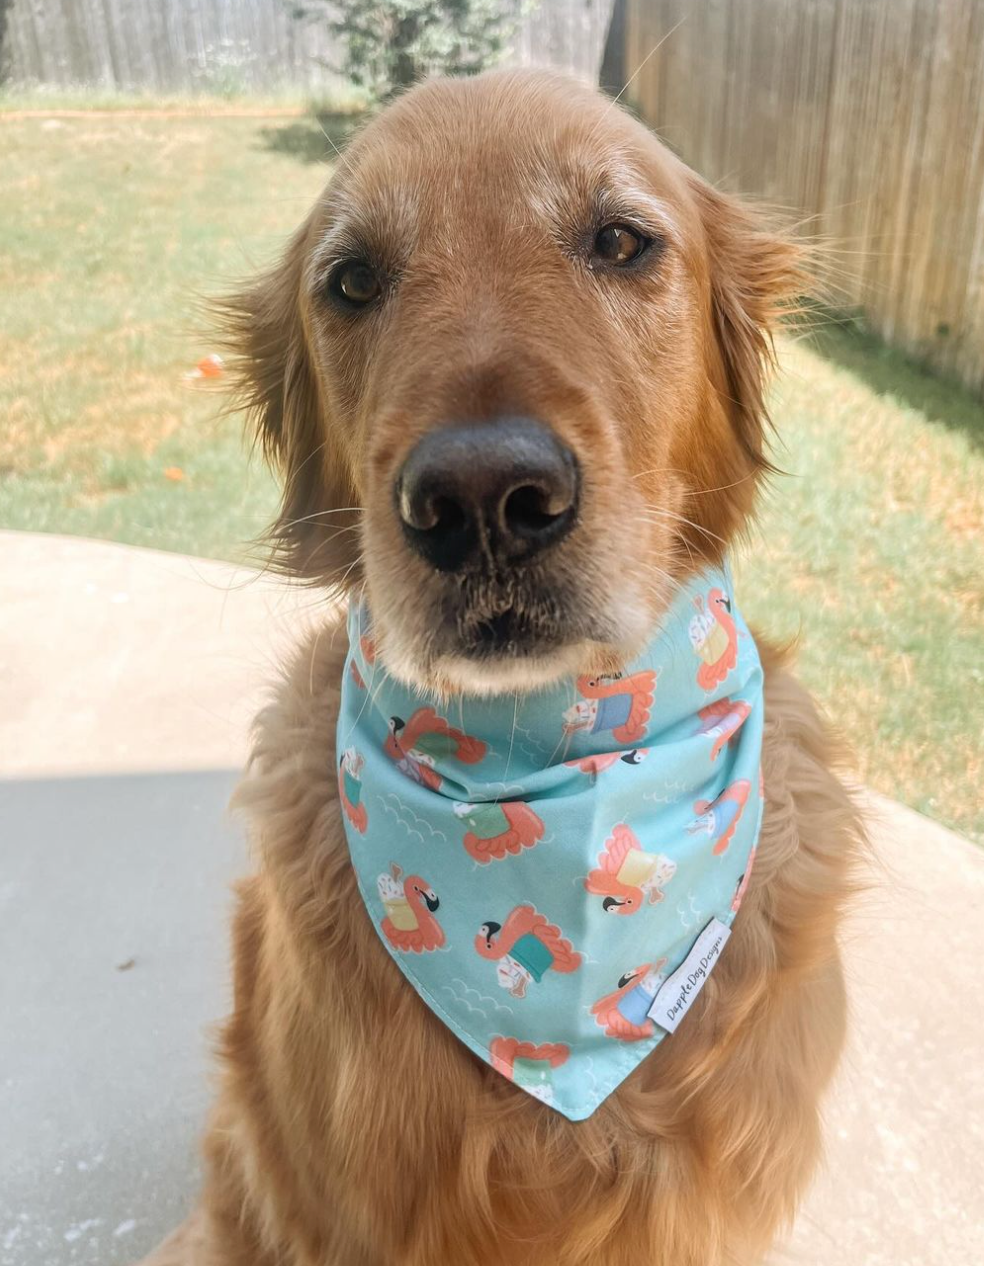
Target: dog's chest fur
{"x":354,"y":1129}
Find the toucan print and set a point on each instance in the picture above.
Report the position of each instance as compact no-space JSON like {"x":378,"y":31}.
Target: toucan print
{"x":595,"y":765}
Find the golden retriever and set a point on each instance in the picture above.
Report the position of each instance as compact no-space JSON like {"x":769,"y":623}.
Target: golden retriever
{"x":512,"y":246}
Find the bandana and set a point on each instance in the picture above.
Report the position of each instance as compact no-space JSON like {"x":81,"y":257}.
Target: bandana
{"x":556,"y":873}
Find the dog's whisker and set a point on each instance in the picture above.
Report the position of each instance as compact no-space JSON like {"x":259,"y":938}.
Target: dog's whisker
{"x":320,"y":514}
{"x":695,"y":492}
{"x":662,"y":512}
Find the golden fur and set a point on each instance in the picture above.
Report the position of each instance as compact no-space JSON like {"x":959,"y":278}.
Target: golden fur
{"x":352,"y":1128}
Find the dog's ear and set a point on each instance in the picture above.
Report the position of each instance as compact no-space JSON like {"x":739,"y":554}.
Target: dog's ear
{"x":263,"y":329}
{"x":758,"y":273}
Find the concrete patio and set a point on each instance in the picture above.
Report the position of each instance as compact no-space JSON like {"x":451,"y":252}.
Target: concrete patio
{"x":128,"y":680}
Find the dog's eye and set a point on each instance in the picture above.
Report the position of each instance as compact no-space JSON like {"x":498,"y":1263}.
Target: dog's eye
{"x":618,"y":244}
{"x":355,"y":283}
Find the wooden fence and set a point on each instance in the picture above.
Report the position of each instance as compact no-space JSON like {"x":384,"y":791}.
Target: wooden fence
{"x":867,"y":115}
{"x":240,"y":45}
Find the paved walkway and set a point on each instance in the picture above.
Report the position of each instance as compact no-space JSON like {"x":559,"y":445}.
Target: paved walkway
{"x":127,"y":682}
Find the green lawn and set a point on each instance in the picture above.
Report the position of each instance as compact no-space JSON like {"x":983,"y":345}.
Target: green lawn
{"x":871,"y":551}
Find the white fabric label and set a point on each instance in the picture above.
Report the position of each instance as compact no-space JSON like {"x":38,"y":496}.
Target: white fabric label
{"x":678,"y":991}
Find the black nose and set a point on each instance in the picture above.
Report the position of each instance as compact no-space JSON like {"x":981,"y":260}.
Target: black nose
{"x":505,"y":489}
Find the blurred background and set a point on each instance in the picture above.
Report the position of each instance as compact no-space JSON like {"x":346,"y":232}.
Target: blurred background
{"x":155,"y":151}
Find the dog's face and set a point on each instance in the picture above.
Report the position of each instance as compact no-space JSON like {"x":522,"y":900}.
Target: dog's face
{"x":512,"y":369}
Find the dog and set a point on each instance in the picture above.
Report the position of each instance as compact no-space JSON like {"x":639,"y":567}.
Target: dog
{"x":509,"y":273}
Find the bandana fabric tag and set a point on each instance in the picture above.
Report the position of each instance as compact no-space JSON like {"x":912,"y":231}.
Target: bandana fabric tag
{"x":678,"y":991}
{"x":556,"y":874}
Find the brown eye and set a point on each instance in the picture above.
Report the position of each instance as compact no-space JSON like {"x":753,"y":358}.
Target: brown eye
{"x":618,"y":244}
{"x":355,"y":283}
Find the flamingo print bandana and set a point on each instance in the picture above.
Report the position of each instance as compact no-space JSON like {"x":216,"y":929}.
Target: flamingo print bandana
{"x":556,"y":874}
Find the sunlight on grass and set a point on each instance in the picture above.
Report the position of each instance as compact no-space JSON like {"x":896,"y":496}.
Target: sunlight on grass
{"x":869,"y":551}
{"x":110,"y":229}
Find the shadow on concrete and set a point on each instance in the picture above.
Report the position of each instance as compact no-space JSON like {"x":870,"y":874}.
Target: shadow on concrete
{"x":114,"y":910}
{"x":890,"y":372}
{"x":314,"y":139}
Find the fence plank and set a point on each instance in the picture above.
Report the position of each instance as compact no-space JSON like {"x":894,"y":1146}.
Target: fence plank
{"x":181,"y":45}
{"x":866,"y":116}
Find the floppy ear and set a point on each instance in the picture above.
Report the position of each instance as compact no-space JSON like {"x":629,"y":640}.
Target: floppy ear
{"x":757,"y":274}
{"x":264,"y":331}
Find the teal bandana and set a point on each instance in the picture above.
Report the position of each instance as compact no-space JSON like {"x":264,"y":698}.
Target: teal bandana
{"x":557,"y":873}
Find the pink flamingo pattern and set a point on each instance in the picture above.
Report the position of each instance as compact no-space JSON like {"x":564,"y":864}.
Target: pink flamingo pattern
{"x":626,"y":876}
{"x":525,"y":947}
{"x":718,"y":818}
{"x":623,"y":1014}
{"x":617,"y":704}
{"x":497,"y":830}
{"x":714,"y":638}
{"x":350,"y":788}
{"x":742,"y":887}
{"x":418,"y":744}
{"x":529,"y":1065}
{"x":410,"y":904}
{"x":722,"y":721}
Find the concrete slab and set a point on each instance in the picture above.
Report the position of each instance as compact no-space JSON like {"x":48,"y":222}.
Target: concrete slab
{"x":120,"y":659}
{"x":114,"y":906}
{"x":127,"y":683}
{"x":902,"y":1185}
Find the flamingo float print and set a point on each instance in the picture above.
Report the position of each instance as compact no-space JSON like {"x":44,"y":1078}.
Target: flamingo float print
{"x":350,"y":788}
{"x":721,"y":721}
{"x":626,"y":876}
{"x":496,"y":830}
{"x":617,"y":704}
{"x":418,"y":744}
{"x":623,"y":1014}
{"x":529,"y":1065}
{"x":714,"y":637}
{"x":718,"y":818}
{"x":525,"y":947}
{"x":410,"y":904}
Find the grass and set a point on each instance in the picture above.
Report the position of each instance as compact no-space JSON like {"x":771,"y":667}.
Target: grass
{"x":870,"y":553}
{"x":109,"y":230}
{"x":870,"y":550}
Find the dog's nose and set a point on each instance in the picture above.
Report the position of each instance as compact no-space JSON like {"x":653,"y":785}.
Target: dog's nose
{"x":506,"y":488}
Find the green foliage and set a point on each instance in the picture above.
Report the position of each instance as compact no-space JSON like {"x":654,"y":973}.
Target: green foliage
{"x":386,"y":45}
